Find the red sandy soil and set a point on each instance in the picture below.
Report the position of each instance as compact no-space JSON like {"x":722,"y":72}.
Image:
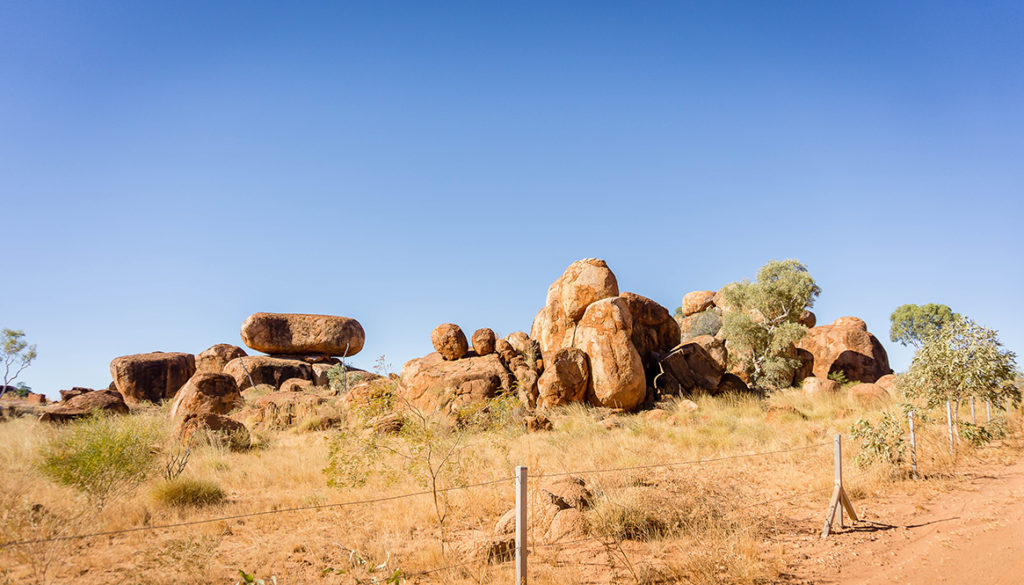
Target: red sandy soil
{"x":972,"y":534}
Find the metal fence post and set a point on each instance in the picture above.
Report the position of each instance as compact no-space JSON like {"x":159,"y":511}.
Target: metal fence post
{"x":988,"y":410}
{"x":913,"y":445}
{"x":974,"y":421}
{"x":521,"y":527}
{"x":949,"y":424}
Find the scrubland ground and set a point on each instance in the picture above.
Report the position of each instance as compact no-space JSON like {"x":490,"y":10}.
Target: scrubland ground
{"x":715,"y":516}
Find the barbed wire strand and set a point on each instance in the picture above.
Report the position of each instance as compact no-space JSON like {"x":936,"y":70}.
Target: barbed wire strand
{"x":679,"y":463}
{"x":253,"y":514}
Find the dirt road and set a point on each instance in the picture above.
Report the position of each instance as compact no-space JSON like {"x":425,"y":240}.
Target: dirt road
{"x":972,"y":534}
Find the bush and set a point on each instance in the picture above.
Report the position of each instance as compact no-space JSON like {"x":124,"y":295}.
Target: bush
{"x":187,"y":491}
{"x":880,"y":443}
{"x":103,"y":456}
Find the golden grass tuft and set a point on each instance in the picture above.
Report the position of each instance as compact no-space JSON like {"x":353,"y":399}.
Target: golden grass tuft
{"x":186,"y":492}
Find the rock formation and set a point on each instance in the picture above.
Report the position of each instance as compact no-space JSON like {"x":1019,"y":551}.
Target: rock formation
{"x":216,"y":357}
{"x":207,"y":392}
{"x":483,"y":341}
{"x":298,"y":334}
{"x":564,"y":380}
{"x":604,"y":333}
{"x":261,"y":369}
{"x":151,"y":377}
{"x":845,"y":345}
{"x":109,"y":401}
{"x":449,"y":341}
{"x":434,"y":384}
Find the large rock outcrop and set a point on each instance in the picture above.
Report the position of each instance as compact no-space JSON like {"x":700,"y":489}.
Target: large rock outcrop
{"x":266,"y":370}
{"x":108,"y":401}
{"x":844,"y":345}
{"x":151,"y":377}
{"x":583,"y":283}
{"x":299,"y":334}
{"x":207,"y":392}
{"x":616,"y":371}
{"x":432,"y":383}
{"x":214,"y":358}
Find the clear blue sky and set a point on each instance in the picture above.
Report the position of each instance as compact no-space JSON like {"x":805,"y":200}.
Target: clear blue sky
{"x":166,"y":169}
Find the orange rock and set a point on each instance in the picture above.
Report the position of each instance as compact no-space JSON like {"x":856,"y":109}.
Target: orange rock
{"x":207,"y":392}
{"x":449,"y":341}
{"x":108,"y":401}
{"x":266,"y":370}
{"x":616,"y":371}
{"x":564,"y":381}
{"x":300,"y":334}
{"x":697,"y":301}
{"x":432,"y":383}
{"x":483,"y":341}
{"x":151,"y":377}
{"x":583,"y":283}
{"x":655,"y":332}
{"x":814,"y":386}
{"x":216,"y":357}
{"x":808,"y":319}
{"x":844,"y":345}
{"x":868,"y":394}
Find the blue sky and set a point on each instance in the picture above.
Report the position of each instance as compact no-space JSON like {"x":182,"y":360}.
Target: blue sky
{"x":168,"y":169}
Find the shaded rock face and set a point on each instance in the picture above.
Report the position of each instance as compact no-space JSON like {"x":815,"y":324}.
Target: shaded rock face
{"x":228,"y":429}
{"x":564,"y":380}
{"x":483,"y":341}
{"x":282,"y":410}
{"x":655,"y":332}
{"x":732,"y":384}
{"x":207,"y":392}
{"x":808,"y":319}
{"x":151,"y":377}
{"x":266,"y":370}
{"x":449,"y":341}
{"x":697,"y":301}
{"x":616,"y":371}
{"x":583,"y":283}
{"x":299,"y":334}
{"x":691,"y":367}
{"x":108,"y":401}
{"x":844,"y":345}
{"x":214,"y":358}
{"x":432,"y":383}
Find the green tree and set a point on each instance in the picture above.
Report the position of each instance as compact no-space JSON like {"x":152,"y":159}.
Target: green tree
{"x":961,"y":359}
{"x":17,"y":355}
{"x":760,"y":321}
{"x":912,"y":324}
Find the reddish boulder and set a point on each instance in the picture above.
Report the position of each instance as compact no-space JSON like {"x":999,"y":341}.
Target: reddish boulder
{"x":583,"y":283}
{"x":808,"y":319}
{"x":814,"y":386}
{"x":617,"y":377}
{"x":483,"y":341}
{"x":262,"y":369}
{"x":75,"y":391}
{"x":845,"y":345}
{"x":868,"y":394}
{"x":108,"y":401}
{"x":564,"y":380}
{"x":300,"y":334}
{"x":655,"y":332}
{"x":207,"y":392}
{"x":151,"y":377}
{"x":449,"y":341}
{"x":693,"y":367}
{"x":697,"y":301}
{"x":214,"y":358}
{"x":432,"y":383}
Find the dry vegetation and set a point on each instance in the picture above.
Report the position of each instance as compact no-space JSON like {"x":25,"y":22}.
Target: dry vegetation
{"x":717,"y":521}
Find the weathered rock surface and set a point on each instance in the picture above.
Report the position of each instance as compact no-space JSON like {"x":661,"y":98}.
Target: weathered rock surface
{"x":282,"y":410}
{"x":886,"y":382}
{"x":868,"y":394}
{"x":311,"y":358}
{"x":504,"y":350}
{"x":808,"y":319}
{"x":715,"y":348}
{"x":266,"y":370}
{"x":449,"y":341}
{"x":108,"y":401}
{"x":844,"y":345}
{"x":483,"y":341}
{"x":151,"y":377}
{"x":296,"y":385}
{"x":75,"y":391}
{"x":207,"y":392}
{"x":564,"y":380}
{"x":732,"y":384}
{"x":693,"y":367}
{"x":697,"y":301}
{"x":226,"y":429}
{"x":583,"y":282}
{"x":616,"y":372}
{"x":214,"y":358}
{"x":300,"y":334}
{"x":655,"y":332}
{"x":432,"y":383}
{"x":814,"y":386}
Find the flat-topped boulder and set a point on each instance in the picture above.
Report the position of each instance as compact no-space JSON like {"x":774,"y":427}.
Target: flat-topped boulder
{"x":300,"y":334}
{"x":432,"y":383}
{"x":151,"y":377}
{"x":108,"y":401}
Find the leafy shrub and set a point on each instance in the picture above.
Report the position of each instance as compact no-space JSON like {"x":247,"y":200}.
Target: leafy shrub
{"x":975,"y":435}
{"x":880,"y":443}
{"x":707,"y":322}
{"x":187,"y":491}
{"x":103,"y":456}
{"x":839,"y":377}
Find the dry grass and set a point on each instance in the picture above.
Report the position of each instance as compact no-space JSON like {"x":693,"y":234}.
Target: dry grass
{"x":713,"y":522}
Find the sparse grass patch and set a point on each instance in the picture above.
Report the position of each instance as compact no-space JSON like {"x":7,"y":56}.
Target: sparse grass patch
{"x":187,"y":492}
